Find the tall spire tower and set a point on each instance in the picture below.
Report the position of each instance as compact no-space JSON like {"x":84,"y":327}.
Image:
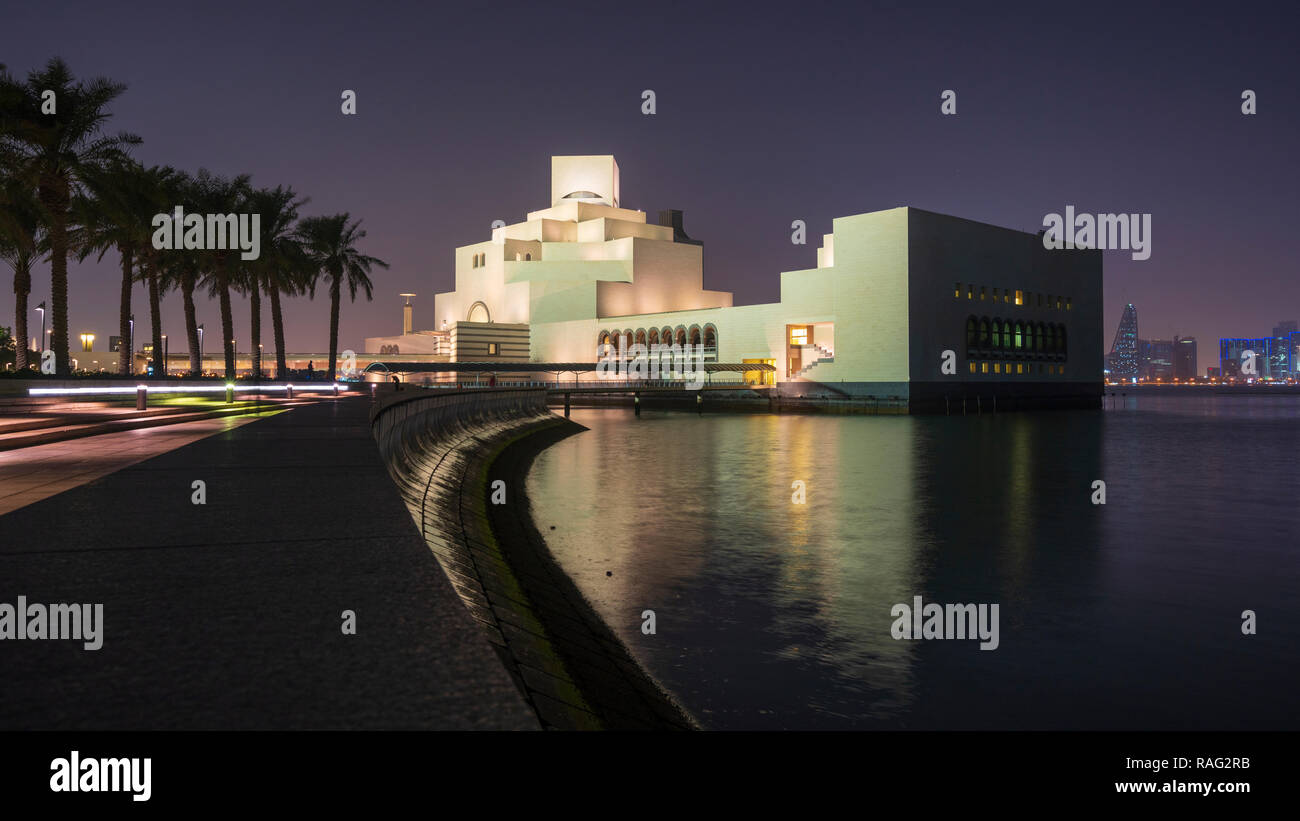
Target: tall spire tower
{"x":1124,"y":350}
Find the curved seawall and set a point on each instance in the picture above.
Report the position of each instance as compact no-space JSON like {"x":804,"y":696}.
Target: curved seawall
{"x":446,"y":450}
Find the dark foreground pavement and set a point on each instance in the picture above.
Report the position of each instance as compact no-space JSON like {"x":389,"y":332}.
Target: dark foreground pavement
{"x":229,"y":614}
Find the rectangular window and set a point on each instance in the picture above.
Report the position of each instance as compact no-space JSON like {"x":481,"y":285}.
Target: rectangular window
{"x":799,"y":336}
{"x":1006,"y":296}
{"x":984,"y":367}
{"x":1058,"y":303}
{"x":982,"y":293}
{"x":997,"y":367}
{"x":1040,"y":300}
{"x":995,"y":294}
{"x":956,"y":291}
{"x":1068,"y":304}
{"x":1020,"y":297}
{"x":492,"y":348}
{"x":1020,"y":368}
{"x":972,"y":367}
{"x":970,"y":291}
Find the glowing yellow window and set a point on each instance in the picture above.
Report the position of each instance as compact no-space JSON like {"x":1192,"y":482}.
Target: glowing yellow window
{"x":997,"y":367}
{"x":972,"y":367}
{"x":956,"y":291}
{"x":1020,"y":368}
{"x":970,"y":291}
{"x":984,"y":367}
{"x":982,"y":293}
{"x":1058,"y":303}
{"x":798,"y":336}
{"x":1020,"y":297}
{"x":1068,"y":304}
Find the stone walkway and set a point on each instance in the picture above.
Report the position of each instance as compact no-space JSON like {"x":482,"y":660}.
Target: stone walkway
{"x":229,"y":614}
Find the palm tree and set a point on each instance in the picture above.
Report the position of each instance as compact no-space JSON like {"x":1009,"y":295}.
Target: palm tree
{"x":331,"y":245}
{"x":281,"y":255}
{"x":220,"y":269}
{"x":55,"y":153}
{"x":19,"y":220}
{"x":118,"y":215}
{"x":21,"y":246}
{"x":183,"y":271}
{"x":292,"y":279}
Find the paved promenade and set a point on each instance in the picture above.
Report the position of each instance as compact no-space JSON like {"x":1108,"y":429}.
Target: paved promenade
{"x":228,"y":614}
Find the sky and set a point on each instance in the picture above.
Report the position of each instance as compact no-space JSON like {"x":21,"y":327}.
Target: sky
{"x":765,"y":114}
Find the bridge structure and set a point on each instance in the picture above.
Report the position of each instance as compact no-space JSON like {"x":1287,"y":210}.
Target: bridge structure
{"x":559,"y":386}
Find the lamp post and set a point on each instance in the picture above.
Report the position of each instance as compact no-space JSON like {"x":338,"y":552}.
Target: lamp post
{"x":41,"y":308}
{"x":164,"y":355}
{"x":130,"y":345}
{"x":200,"y":349}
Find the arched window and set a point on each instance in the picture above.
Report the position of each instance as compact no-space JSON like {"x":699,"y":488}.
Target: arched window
{"x":710,"y":336}
{"x":997,"y":334}
{"x":478,"y":312}
{"x":1020,"y":337}
{"x":528,"y":257}
{"x":681,"y":335}
{"x":972,"y":332}
{"x":695,"y":335}
{"x":984,"y":332}
{"x":653,"y":338}
{"x":666,"y":336}
{"x":627,"y":338}
{"x":603,"y":339}
{"x":640,"y":336}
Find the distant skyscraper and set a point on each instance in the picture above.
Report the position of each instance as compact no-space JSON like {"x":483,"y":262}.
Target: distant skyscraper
{"x":1184,"y":357}
{"x":1161,"y":363}
{"x":1285,"y":328}
{"x":1124,"y":350}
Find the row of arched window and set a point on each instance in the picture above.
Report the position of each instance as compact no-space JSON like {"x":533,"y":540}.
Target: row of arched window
{"x":388,"y":349}
{"x":479,"y":260}
{"x":706,"y":335}
{"x":1045,"y":339}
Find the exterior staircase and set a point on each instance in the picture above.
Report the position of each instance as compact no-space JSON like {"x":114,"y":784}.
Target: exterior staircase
{"x":818,"y":354}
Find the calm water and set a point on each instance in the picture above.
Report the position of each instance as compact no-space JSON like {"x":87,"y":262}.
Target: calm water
{"x":776,"y":615}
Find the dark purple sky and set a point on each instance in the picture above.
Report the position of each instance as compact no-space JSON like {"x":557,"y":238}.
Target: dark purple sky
{"x":808,"y":111}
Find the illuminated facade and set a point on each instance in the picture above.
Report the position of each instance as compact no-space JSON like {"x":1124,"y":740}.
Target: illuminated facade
{"x":902,"y":303}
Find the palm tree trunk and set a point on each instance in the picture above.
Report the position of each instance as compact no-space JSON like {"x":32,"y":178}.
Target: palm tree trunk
{"x":22,"y":287}
{"x":227,"y":330}
{"x":53,"y":193}
{"x":277,"y":328}
{"x":334,"y":326}
{"x":255,"y":308}
{"x":191,"y":323}
{"x":124,"y":317}
{"x":155,"y":320}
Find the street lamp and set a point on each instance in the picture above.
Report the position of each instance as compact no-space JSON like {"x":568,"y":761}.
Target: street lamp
{"x":87,"y":342}
{"x":41,"y":308}
{"x":130,"y":345}
{"x":200,"y":348}
{"x":164,"y":355}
